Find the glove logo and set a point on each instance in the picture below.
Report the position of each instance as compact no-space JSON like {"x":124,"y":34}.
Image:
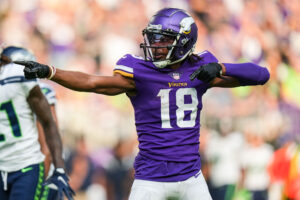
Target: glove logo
{"x":62,"y":180}
{"x":59,"y":181}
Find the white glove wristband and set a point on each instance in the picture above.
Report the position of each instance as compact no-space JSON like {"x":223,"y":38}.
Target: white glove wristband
{"x":52,"y":72}
{"x":60,"y":170}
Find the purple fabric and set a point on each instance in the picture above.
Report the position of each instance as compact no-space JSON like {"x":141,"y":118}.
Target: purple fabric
{"x":293,"y":113}
{"x":248,"y":73}
{"x":167,"y":154}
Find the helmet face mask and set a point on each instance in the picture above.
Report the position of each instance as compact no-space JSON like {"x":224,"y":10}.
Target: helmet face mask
{"x":159,"y":45}
{"x":170,"y":29}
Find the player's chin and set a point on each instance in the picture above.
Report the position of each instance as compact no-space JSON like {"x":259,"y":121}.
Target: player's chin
{"x":159,"y":57}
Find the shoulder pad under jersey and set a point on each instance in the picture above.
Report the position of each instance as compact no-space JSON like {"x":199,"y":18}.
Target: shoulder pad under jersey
{"x":125,"y":65}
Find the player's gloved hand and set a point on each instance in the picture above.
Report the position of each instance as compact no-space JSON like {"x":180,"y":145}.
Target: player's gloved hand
{"x":207,"y":72}
{"x":34,"y":69}
{"x":59,"y":181}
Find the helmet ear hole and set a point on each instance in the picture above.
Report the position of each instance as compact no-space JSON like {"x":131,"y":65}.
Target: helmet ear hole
{"x":184,"y":41}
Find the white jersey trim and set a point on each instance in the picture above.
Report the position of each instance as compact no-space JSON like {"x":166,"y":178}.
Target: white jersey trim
{"x":124,"y":68}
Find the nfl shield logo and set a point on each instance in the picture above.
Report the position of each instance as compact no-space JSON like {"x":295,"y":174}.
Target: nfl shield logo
{"x":175,"y":75}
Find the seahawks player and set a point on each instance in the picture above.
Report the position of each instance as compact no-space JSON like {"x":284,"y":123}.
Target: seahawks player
{"x":21,"y":160}
{"x":165,"y":89}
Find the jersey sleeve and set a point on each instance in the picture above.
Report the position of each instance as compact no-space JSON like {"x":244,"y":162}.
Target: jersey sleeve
{"x":49,"y":93}
{"x":208,"y":57}
{"x":125,"y":65}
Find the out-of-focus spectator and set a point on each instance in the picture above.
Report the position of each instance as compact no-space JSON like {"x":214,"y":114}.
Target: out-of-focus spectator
{"x":98,"y":188}
{"x":79,"y":166}
{"x":222,"y":152}
{"x":119,"y":172}
{"x":255,"y":158}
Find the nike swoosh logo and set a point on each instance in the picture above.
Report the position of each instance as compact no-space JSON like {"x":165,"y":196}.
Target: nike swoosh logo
{"x":24,"y":170}
{"x":62,"y":180}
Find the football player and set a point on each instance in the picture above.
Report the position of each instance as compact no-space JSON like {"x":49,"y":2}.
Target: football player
{"x":21,"y":160}
{"x":165,"y":88}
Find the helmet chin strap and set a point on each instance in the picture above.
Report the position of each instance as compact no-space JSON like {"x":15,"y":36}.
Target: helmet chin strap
{"x":162,"y":64}
{"x":165,"y":63}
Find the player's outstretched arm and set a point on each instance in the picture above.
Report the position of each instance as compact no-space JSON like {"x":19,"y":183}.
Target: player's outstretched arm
{"x":247,"y":73}
{"x":41,"y":108}
{"x":231,"y":75}
{"x":108,"y":85}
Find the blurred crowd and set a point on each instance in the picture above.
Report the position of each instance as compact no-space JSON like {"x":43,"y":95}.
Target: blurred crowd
{"x":243,"y":130}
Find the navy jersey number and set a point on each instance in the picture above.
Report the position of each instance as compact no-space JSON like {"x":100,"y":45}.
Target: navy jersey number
{"x":8,"y":108}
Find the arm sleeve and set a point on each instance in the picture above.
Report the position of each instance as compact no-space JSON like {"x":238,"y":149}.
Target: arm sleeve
{"x":247,"y":73}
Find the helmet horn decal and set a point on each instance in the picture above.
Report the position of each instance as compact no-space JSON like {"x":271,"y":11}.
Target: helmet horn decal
{"x":186,"y":25}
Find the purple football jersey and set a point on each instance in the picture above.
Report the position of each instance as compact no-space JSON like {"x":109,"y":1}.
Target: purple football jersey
{"x":167,"y":116}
